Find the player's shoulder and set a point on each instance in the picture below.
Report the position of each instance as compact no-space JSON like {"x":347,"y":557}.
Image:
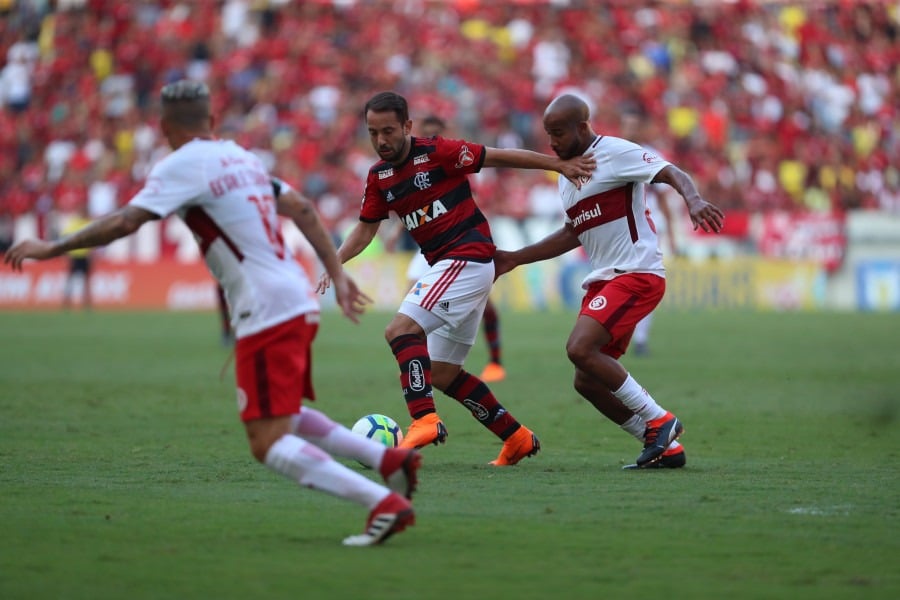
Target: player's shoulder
{"x":612,"y":143}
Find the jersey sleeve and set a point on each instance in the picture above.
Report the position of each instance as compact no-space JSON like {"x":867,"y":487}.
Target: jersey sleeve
{"x":170,"y":185}
{"x":632,"y":162}
{"x":459,"y":157}
{"x":374,"y":207}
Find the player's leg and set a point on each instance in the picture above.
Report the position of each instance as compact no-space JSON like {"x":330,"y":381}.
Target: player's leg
{"x":69,"y":284}
{"x":461,"y":305}
{"x":423,"y":310}
{"x":490,"y":321}
{"x":609,"y":312}
{"x":397,"y":466}
{"x":641,"y":336}
{"x":407,"y":341}
{"x":273,"y":369}
{"x":612,"y":408}
{"x":87,"y":299}
{"x":474,"y":394}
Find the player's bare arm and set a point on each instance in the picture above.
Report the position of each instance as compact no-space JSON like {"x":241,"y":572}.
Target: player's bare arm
{"x":556,"y":244}
{"x":576,"y":169}
{"x":109,"y":228}
{"x":704,"y":214}
{"x":301,"y":211}
{"x":358,"y":240}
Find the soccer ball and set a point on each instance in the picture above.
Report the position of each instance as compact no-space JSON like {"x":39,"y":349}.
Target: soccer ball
{"x":379,"y":428}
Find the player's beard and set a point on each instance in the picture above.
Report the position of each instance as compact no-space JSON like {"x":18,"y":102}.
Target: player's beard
{"x":392,"y":155}
{"x":569,"y":151}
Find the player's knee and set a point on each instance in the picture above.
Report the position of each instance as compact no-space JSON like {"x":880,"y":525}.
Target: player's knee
{"x":397,"y":328}
{"x":579,"y":354}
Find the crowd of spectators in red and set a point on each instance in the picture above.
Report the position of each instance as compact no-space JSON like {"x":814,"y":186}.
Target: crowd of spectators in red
{"x":768,"y":105}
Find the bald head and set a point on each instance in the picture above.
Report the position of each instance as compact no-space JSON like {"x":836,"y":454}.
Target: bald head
{"x":567,"y":122}
{"x":570,"y":108}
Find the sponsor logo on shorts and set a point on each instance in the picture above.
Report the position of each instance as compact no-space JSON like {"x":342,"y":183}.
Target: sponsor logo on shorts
{"x":241,"y":400}
{"x":420,"y":287}
{"x":478,"y":411}
{"x":444,"y":306}
{"x":416,"y":376}
{"x":597,"y":303}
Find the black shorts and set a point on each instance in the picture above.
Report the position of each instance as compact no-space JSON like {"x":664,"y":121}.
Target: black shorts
{"x":80,"y":264}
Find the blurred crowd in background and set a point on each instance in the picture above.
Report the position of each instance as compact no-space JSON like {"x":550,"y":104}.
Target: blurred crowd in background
{"x":788,"y":106}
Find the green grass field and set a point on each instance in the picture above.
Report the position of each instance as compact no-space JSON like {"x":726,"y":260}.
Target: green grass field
{"x":125,"y":473}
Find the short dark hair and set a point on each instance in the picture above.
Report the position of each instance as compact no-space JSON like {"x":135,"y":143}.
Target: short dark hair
{"x":186,"y":102}
{"x":388,"y":102}
{"x":434,"y":121}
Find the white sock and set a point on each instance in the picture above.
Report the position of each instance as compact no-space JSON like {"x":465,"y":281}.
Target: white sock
{"x":332,"y":437}
{"x":308,"y":465}
{"x":638,"y":400}
{"x":636,"y":426}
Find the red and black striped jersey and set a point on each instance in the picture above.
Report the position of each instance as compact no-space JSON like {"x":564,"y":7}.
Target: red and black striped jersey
{"x":430,"y":192}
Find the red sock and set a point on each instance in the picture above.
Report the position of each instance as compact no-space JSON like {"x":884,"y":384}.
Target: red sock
{"x":491,"y":322}
{"x":411,"y":353}
{"x":472,"y":393}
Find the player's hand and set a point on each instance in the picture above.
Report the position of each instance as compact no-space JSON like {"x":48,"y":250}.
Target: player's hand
{"x":36,"y":249}
{"x":324,"y":283}
{"x":578,"y":170}
{"x":503,"y":263}
{"x":706,"y":216}
{"x":349,"y":297}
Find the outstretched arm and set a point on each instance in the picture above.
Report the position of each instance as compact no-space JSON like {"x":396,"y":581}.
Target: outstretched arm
{"x":556,"y":244}
{"x":575,"y":169}
{"x":358,"y":240}
{"x":104,"y":230}
{"x":301,"y":211}
{"x":704,"y":214}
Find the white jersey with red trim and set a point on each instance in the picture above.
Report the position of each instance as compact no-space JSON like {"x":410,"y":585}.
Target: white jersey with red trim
{"x":609,"y":213}
{"x":225,"y":196}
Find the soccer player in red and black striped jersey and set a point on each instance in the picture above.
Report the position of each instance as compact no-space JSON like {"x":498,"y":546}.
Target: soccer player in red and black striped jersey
{"x":425,"y":182}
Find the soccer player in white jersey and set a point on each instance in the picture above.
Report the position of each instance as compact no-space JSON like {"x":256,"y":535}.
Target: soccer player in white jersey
{"x":232,"y":205}
{"x":607,"y":216}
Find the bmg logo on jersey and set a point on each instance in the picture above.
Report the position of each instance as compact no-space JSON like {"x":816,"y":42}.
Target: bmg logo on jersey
{"x":416,"y":376}
{"x":597,"y":303}
{"x":423,"y":215}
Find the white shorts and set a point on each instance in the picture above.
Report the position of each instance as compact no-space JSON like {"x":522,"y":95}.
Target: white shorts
{"x":447,"y":302}
{"x":418,"y":266}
